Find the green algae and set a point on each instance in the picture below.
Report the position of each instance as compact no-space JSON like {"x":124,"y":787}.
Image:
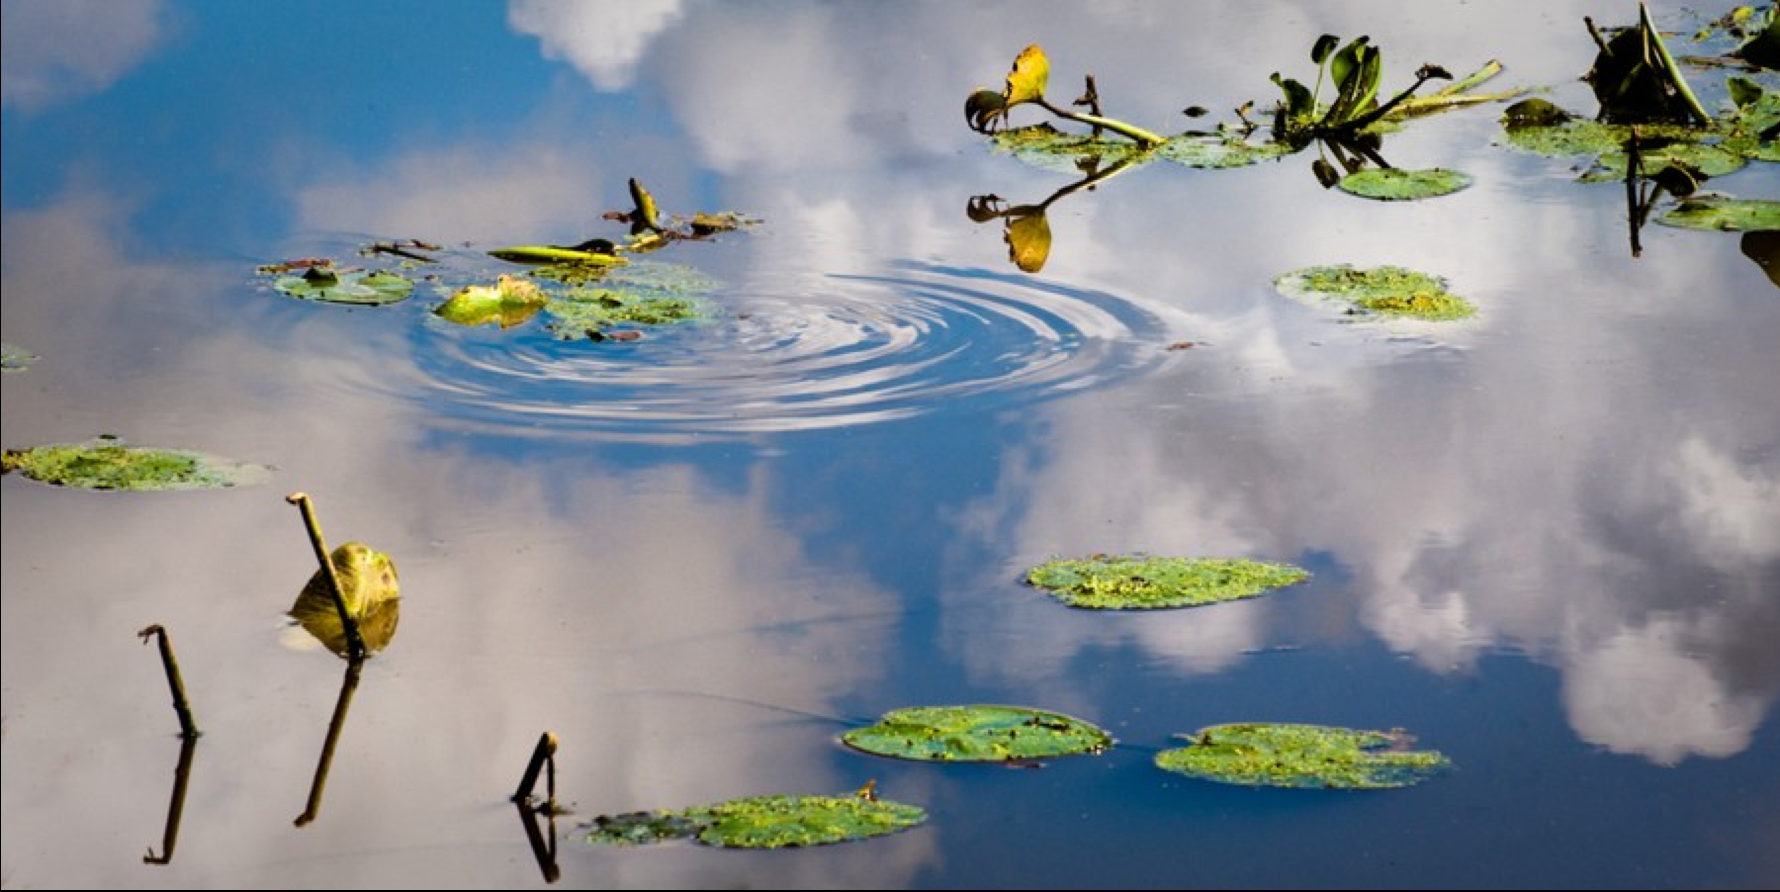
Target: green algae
{"x":1391,"y":291}
{"x":1302,"y":756}
{"x":1141,"y":582}
{"x":106,"y":463}
{"x":762,"y":822}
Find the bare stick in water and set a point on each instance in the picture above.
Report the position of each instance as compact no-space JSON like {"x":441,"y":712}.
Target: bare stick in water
{"x":355,"y":644}
{"x":544,"y":752}
{"x":188,"y":728}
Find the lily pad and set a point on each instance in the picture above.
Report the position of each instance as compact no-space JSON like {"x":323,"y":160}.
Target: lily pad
{"x":509,"y":302}
{"x":106,"y":463}
{"x":328,"y":285}
{"x":1047,"y":148}
{"x":372,"y":593}
{"x":1397,"y":184}
{"x":644,"y":294}
{"x":1384,"y":291}
{"x":977,"y":734}
{"x":763,"y":822}
{"x":1220,"y":150}
{"x":14,"y":358}
{"x":1709,"y":160}
{"x":1302,"y":756}
{"x":1140,"y":582}
{"x":1725,"y":214}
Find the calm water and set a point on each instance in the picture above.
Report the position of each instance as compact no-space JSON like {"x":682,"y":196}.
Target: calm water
{"x":1546,"y":541}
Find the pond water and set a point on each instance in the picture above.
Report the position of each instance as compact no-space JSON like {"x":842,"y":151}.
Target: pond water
{"x":1545,"y":541}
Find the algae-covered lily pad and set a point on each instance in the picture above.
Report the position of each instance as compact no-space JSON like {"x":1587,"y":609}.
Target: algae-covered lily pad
{"x":372,"y":593}
{"x":763,"y":822}
{"x":326,"y":284}
{"x":106,"y":463}
{"x":14,"y":358}
{"x":1726,"y":214}
{"x":1383,"y":291}
{"x":641,"y":295}
{"x":509,"y":302}
{"x":1047,"y":148}
{"x":1141,"y":582}
{"x":1303,"y":756}
{"x":1397,"y":184}
{"x":977,"y":734}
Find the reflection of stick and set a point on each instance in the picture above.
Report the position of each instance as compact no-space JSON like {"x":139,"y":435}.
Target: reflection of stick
{"x":1634,"y":163}
{"x":544,"y":752}
{"x":355,"y":644}
{"x":544,"y":852}
{"x":187,"y":727}
{"x":176,"y":806}
{"x":348,"y":684}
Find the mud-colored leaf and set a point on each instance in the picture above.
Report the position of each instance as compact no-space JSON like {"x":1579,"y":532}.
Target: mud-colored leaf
{"x":1380,"y":291}
{"x":1726,"y":214}
{"x":322,"y":283}
{"x":1398,"y":184}
{"x":509,"y":302}
{"x":977,"y":734}
{"x":372,"y":593}
{"x":1142,"y":582}
{"x":106,"y":463}
{"x":763,"y":822}
{"x":1302,"y":756}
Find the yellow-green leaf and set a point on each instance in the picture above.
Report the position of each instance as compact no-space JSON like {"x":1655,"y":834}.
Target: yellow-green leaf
{"x":1026,"y":82}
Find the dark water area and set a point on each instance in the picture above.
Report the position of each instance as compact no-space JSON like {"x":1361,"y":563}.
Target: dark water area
{"x":1545,"y":540}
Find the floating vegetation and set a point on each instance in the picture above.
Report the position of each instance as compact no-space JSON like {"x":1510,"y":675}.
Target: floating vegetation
{"x":1141,"y":582}
{"x":1224,"y":148}
{"x":321,"y":282}
{"x":1724,"y":214}
{"x":14,"y":358}
{"x":987,"y":110}
{"x":1302,"y":756}
{"x":368,"y":587}
{"x":644,"y":294}
{"x":586,"y":254}
{"x":509,"y":302}
{"x":1382,"y":291}
{"x":977,"y":734}
{"x":107,"y":463}
{"x":1397,"y":184}
{"x":763,"y":822}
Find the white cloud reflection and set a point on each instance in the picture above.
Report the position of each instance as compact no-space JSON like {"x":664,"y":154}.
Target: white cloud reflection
{"x":604,"y":39}
{"x":55,"y":50}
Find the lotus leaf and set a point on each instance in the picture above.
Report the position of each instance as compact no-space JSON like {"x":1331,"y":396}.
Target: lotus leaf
{"x":328,"y":285}
{"x":372,"y":593}
{"x":106,"y":463}
{"x":1397,"y":184}
{"x":763,"y":822}
{"x":1729,"y":214}
{"x":1302,"y":756}
{"x":977,"y":734}
{"x":1140,"y":582}
{"x":1385,"y":291}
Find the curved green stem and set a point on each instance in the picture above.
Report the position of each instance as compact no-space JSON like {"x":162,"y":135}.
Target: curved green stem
{"x":1130,"y":131}
{"x":1669,"y":67}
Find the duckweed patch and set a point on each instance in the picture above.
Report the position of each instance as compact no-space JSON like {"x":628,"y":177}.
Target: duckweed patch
{"x":1302,"y":756}
{"x":1382,"y":291}
{"x":323,"y":283}
{"x":977,"y":734}
{"x":14,"y":358}
{"x":1397,"y":184}
{"x":107,"y":463}
{"x":1141,"y":582}
{"x":371,"y":590}
{"x":1725,"y":214}
{"x":762,"y":822}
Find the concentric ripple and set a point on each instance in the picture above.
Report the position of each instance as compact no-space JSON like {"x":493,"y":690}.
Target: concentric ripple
{"x":921,"y":339}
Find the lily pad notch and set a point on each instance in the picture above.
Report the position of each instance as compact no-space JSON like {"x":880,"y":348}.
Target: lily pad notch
{"x":1143,"y":582}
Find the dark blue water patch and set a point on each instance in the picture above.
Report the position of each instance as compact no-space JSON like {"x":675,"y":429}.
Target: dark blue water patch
{"x":921,"y":339}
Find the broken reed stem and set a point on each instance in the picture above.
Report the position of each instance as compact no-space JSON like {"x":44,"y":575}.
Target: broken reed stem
{"x":355,"y":643}
{"x":188,"y":727}
{"x":542,"y":754}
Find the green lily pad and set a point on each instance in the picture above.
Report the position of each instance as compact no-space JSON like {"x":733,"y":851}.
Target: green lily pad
{"x":1047,"y":148}
{"x":1140,"y":582}
{"x":1384,"y":291}
{"x":106,"y":463}
{"x":1302,"y":756}
{"x":977,"y":734}
{"x":763,"y":822}
{"x":1397,"y":184}
{"x":644,"y":294}
{"x":372,"y":593}
{"x":1710,"y":160}
{"x":509,"y":302}
{"x":1725,"y":214}
{"x":14,"y":358}
{"x":1220,"y":150}
{"x":347,"y":287}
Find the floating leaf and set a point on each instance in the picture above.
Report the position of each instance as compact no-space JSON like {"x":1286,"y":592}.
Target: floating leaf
{"x":1707,"y":160}
{"x":1220,"y":150}
{"x":370,"y":589}
{"x":1721,"y":213}
{"x":106,"y":463}
{"x":1302,"y":756}
{"x":977,"y":734}
{"x":763,"y":822}
{"x":1026,"y":82}
{"x":645,"y":294}
{"x":1047,"y":148}
{"x":1397,"y":184}
{"x":551,"y":254}
{"x":1384,"y":290}
{"x":644,"y":216}
{"x":1534,"y":112}
{"x":358,"y":286}
{"x":14,"y":358}
{"x":509,"y":302}
{"x":1140,"y":582}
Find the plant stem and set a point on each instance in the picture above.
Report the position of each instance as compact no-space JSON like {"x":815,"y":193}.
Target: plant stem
{"x":355,"y":643}
{"x":1669,"y":66}
{"x":1130,"y":131}
{"x":544,"y":752}
{"x":188,"y":727}
{"x":1490,"y":69}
